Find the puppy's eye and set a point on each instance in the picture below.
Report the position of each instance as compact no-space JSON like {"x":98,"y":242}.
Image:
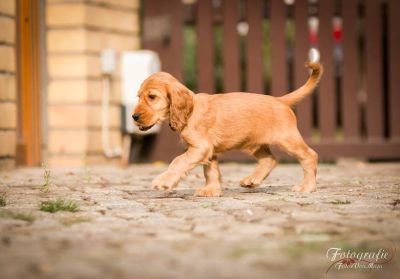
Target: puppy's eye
{"x":152,"y":97}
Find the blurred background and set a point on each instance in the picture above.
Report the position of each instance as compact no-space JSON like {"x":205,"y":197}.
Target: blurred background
{"x":70,"y":69}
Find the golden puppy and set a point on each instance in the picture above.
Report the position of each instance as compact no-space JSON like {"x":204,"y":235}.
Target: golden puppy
{"x":212,"y":124}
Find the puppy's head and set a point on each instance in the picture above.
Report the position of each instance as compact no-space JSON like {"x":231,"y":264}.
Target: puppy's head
{"x":161,"y":96}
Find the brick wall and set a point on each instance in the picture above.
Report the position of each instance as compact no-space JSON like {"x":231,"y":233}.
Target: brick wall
{"x":76,"y":33}
{"x":8,"y":92}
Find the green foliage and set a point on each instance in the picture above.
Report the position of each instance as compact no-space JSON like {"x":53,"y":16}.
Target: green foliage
{"x":7,"y":214}
{"x":218,"y":59}
{"x":189,"y":57}
{"x":340,"y":202}
{"x":266,"y":49}
{"x":238,"y":252}
{"x":3,"y":201}
{"x":59,"y":205}
{"x":190,"y":48}
{"x":298,"y":250}
{"x":74,"y":220}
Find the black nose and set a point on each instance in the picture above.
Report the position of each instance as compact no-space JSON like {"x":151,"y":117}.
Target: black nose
{"x":136,"y":116}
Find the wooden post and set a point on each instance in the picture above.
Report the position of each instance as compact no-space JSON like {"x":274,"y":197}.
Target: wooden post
{"x":350,"y":84}
{"x":301,"y":47}
{"x":205,"y":47}
{"x":373,"y":46}
{"x":394,"y":70}
{"x":28,"y":53}
{"x":231,"y":44}
{"x":254,"y":40}
{"x":326,"y":96}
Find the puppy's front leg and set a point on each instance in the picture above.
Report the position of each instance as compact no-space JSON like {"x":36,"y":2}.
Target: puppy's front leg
{"x":213,"y":180}
{"x":180,"y":166}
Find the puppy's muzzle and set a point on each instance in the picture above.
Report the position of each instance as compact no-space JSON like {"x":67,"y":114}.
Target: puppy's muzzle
{"x":136,"y":118}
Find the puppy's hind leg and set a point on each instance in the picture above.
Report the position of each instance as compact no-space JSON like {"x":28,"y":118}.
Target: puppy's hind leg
{"x":213,"y":180}
{"x":308,"y":158}
{"x":266,"y":163}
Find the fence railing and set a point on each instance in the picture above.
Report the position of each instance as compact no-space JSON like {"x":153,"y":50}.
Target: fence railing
{"x":261,"y":46}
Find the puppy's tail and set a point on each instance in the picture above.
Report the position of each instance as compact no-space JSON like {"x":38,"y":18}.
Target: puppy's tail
{"x":294,"y":97}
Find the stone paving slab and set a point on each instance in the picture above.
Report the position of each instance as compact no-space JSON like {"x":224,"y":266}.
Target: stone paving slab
{"x":123,"y":229}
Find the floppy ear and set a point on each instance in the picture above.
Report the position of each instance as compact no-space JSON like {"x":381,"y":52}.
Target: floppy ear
{"x":180,"y":106}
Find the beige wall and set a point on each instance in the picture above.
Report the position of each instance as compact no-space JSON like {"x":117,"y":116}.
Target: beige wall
{"x":8,"y":92}
{"x":76,"y":33}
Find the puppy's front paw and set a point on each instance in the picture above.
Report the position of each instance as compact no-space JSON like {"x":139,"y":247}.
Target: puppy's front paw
{"x":160,"y":185}
{"x":208,"y":191}
{"x":165,"y":182}
{"x":250,"y":182}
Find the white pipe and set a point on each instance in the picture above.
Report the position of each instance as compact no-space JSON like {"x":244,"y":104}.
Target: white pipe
{"x":105,"y":123}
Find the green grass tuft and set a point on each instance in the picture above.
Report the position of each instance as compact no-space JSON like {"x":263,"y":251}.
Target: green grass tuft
{"x":74,"y":220}
{"x":7,"y":214}
{"x":243,"y":251}
{"x":59,"y":205}
{"x":304,"y":203}
{"x":340,"y":202}
{"x":46,"y":178}
{"x":209,"y":205}
{"x":3,"y":201}
{"x":298,"y":250}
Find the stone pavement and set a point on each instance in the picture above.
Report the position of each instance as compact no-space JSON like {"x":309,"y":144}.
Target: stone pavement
{"x":123,"y":229}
